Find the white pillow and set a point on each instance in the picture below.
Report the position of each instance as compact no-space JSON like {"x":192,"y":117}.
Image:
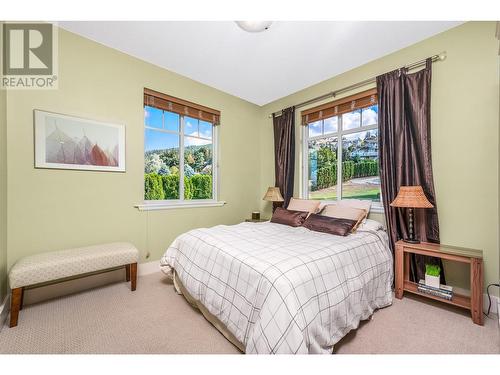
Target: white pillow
{"x":370,"y":224}
{"x":356,"y":203}
{"x":323,"y":204}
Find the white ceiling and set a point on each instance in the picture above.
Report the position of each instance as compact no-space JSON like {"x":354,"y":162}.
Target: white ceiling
{"x":258,"y":67}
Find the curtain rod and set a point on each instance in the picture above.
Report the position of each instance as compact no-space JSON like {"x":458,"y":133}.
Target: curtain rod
{"x":439,"y":57}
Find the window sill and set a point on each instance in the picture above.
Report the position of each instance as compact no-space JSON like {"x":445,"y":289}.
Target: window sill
{"x":174,"y":205}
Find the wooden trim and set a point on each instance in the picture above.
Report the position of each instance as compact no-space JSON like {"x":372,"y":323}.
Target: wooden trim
{"x":476,"y":281}
{"x":347,"y":99}
{"x":75,"y":277}
{"x":22,"y":299}
{"x":432,"y":253}
{"x":180,"y":101}
{"x":406,"y":268}
{"x":183,"y":107}
{"x":133,"y":276}
{"x":15,"y":305}
{"x":399,"y":270}
{"x":337,"y":107}
{"x":446,"y":249}
{"x":127,"y":272}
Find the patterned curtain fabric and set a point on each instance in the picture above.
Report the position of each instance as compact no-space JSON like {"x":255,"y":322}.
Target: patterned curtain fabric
{"x":405,"y":155}
{"x":284,"y":154}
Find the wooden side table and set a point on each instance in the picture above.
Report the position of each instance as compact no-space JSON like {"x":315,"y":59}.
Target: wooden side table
{"x":474,"y":303}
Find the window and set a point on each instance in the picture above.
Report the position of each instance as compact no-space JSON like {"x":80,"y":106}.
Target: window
{"x":179,"y":150}
{"x":341,"y":149}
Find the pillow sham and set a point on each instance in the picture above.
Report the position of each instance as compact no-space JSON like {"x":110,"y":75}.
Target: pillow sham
{"x":345,"y":212}
{"x":361,"y":204}
{"x":288,"y":217}
{"x":331,"y":225}
{"x":307,"y":205}
{"x":370,"y":225}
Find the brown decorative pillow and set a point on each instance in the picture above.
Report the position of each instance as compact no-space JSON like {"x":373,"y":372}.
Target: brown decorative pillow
{"x":289,"y":217}
{"x":332,"y":225}
{"x":345,"y":212}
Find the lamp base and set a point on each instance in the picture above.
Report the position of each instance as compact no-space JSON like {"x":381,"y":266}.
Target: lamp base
{"x":411,"y":234}
{"x":409,"y":240}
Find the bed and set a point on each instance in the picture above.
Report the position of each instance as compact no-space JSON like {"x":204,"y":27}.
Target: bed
{"x":272,"y":288}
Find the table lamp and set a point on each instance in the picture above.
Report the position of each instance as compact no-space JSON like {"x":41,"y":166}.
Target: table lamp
{"x":411,"y":197}
{"x":273,"y":195}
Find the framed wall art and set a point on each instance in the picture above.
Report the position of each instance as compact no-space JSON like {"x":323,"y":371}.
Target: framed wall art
{"x":68,"y":142}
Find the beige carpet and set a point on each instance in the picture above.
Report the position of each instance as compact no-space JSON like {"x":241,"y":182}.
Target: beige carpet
{"x":154,"y":319}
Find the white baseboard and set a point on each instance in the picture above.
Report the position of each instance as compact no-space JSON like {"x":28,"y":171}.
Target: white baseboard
{"x":4,"y":310}
{"x":148,"y":268}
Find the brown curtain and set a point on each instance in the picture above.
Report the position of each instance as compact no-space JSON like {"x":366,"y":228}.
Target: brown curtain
{"x":404,"y":102}
{"x":284,"y":153}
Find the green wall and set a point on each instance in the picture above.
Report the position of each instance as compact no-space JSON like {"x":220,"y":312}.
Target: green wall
{"x":3,"y":191}
{"x":57,"y":209}
{"x":465,"y":139}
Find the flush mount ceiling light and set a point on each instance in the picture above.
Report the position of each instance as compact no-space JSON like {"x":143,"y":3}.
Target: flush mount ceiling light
{"x":254,"y":26}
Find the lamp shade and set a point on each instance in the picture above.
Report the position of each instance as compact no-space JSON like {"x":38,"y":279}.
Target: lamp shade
{"x":411,"y":196}
{"x":273,"y":195}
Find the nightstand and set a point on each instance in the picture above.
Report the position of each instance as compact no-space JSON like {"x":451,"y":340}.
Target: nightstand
{"x":256,"y":221}
{"x":474,"y":258}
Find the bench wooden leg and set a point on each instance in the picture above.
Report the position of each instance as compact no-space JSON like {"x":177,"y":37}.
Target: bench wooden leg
{"x":133,"y":275}
{"x":127,"y":272}
{"x":15,"y":305}
{"x":22,"y":299}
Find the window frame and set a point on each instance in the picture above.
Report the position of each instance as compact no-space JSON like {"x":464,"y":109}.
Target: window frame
{"x":377,"y":207}
{"x":181,"y":202}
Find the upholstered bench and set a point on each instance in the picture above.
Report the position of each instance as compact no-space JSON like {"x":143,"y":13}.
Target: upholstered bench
{"x":58,"y":266}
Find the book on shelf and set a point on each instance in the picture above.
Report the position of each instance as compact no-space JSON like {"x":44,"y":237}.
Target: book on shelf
{"x":435,"y":293}
{"x":444,"y":291}
{"x":442,"y":287}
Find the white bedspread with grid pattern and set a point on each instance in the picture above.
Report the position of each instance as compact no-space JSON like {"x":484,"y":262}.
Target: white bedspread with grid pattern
{"x":280,"y":289}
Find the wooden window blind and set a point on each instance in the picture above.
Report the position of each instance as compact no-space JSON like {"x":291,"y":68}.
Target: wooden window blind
{"x":348,"y":104}
{"x":180,"y":106}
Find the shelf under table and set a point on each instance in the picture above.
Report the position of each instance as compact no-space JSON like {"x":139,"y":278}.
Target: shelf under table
{"x":457,"y":299}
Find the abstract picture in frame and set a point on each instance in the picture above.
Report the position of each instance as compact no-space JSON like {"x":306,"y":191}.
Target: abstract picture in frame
{"x":69,"y":142}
